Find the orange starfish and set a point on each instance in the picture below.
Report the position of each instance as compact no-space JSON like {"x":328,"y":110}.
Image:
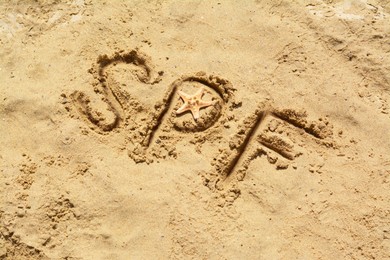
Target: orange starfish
{"x":193,"y":103}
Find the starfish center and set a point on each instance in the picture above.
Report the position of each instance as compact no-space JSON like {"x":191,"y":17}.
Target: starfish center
{"x":193,"y":102}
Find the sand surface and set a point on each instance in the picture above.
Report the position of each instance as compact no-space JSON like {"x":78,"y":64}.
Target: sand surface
{"x":290,"y":162}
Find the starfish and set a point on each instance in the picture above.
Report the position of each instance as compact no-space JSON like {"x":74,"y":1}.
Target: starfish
{"x":193,"y":103}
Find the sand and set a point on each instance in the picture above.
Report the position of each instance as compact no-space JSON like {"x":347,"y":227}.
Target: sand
{"x":292,"y":160}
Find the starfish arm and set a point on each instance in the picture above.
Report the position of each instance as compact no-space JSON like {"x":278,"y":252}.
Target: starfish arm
{"x":199,"y":93}
{"x":195,"y":113}
{"x":206,"y":103}
{"x":182,"y":109}
{"x":184,"y":96}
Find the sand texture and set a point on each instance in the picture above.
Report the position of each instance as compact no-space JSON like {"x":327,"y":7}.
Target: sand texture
{"x":289,"y":158}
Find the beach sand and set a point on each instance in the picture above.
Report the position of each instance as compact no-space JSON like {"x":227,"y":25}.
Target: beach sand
{"x":291,"y":161}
